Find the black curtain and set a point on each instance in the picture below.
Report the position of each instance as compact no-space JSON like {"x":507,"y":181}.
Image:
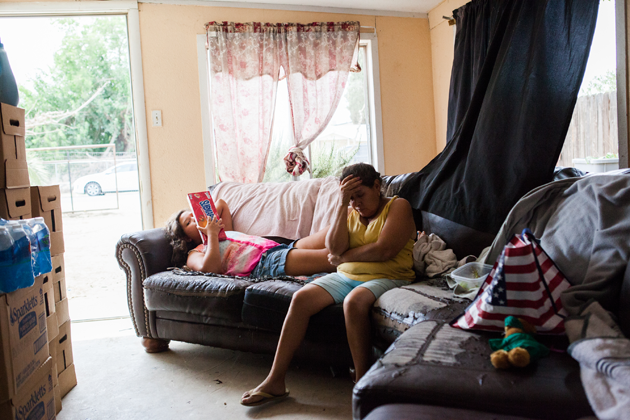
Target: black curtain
{"x":516,"y":74}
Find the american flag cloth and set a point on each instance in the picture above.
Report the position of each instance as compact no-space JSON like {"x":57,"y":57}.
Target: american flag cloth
{"x":524,"y":282}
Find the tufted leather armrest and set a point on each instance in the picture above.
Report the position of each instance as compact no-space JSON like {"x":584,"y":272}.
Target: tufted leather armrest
{"x":142,"y":254}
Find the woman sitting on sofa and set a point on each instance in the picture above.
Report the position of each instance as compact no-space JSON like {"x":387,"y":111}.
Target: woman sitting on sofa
{"x":371,"y":244}
{"x":241,"y":254}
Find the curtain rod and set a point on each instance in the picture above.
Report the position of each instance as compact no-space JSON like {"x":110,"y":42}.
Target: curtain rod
{"x":372,"y":29}
{"x":450,"y":19}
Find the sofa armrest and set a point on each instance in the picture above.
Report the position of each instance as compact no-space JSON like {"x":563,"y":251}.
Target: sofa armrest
{"x":142,"y":254}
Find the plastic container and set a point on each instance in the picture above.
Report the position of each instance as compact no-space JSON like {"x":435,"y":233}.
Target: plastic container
{"x":44,"y":262}
{"x":8,"y":281}
{"x":32,"y":238}
{"x":8,"y":88}
{"x":20,"y":272}
{"x":471,"y":275}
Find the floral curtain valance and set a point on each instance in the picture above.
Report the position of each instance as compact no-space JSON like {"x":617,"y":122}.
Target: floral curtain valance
{"x":321,"y":46}
{"x":244,"y":70}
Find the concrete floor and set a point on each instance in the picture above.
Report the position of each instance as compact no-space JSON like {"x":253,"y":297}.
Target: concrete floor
{"x":118,"y":380}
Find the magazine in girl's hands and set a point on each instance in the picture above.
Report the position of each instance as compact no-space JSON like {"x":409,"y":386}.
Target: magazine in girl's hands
{"x":203,"y":208}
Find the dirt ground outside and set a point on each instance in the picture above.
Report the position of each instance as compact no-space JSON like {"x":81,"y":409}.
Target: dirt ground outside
{"x":95,"y":283}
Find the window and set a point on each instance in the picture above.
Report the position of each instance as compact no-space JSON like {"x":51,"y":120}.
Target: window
{"x":592,"y":142}
{"x":344,"y":141}
{"x":353,"y":135}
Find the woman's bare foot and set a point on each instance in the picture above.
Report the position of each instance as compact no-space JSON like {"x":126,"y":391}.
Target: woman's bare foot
{"x":274,"y":388}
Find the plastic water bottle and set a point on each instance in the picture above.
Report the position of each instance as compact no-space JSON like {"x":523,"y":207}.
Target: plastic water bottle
{"x":32,"y":238}
{"x":8,"y":281}
{"x":23,"y":273}
{"x":8,"y":88}
{"x":42,"y":234}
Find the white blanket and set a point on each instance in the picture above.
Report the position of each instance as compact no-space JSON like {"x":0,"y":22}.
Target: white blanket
{"x":290,"y":210}
{"x":604,"y":356}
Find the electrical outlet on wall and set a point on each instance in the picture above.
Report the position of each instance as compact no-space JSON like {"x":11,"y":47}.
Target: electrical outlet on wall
{"x":156,"y":117}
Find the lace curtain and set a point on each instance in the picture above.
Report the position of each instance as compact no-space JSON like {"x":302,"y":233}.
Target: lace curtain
{"x":317,"y":60}
{"x":244,"y":78}
{"x":245,"y":64}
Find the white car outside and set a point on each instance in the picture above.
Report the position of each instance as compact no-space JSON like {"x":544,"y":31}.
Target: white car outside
{"x":103,"y":182}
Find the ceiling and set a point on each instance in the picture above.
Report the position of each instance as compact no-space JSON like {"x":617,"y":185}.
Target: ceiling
{"x":400,"y":6}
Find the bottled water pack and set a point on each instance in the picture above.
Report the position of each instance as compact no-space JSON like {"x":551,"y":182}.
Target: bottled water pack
{"x":24,"y":253}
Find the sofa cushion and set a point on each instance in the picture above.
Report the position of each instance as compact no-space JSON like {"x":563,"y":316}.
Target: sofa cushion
{"x":206,"y":296}
{"x":266,"y":305}
{"x":399,"y":309}
{"x":428,"y":412}
{"x":435,"y":364}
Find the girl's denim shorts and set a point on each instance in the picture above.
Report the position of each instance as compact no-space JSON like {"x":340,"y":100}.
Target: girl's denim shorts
{"x":273,"y":261}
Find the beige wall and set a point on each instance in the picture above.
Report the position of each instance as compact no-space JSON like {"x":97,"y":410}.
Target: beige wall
{"x":442,"y":39}
{"x":169,"y":59}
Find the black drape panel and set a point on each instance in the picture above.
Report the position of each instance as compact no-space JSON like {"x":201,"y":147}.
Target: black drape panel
{"x":475,"y":23}
{"x":514,"y":123}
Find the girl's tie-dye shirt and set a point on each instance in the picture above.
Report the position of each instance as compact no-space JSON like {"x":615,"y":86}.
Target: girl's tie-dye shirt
{"x":240,"y":252}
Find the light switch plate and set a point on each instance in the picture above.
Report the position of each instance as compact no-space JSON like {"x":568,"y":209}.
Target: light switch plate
{"x":156,"y":117}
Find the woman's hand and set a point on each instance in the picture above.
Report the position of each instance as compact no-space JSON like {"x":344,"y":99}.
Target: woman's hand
{"x":349,"y":186}
{"x":212,"y":228}
{"x":335,"y":259}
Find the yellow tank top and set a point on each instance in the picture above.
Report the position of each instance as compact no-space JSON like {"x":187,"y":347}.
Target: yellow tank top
{"x":398,"y":268}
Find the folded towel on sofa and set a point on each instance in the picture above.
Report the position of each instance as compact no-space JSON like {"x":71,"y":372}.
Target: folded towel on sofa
{"x":431,"y":257}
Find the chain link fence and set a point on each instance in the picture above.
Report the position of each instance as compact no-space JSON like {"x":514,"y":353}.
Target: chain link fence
{"x":89,"y":177}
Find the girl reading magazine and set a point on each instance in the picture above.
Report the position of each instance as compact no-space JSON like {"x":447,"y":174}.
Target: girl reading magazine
{"x":241,"y":254}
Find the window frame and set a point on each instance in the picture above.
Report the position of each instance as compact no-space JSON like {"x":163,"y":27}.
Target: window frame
{"x":128,"y":9}
{"x":370,"y":40}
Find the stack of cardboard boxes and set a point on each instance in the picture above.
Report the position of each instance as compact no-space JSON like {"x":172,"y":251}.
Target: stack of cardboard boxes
{"x":34,"y":322}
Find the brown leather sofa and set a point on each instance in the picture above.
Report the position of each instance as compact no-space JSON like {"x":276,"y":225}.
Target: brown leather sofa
{"x":426,"y":363}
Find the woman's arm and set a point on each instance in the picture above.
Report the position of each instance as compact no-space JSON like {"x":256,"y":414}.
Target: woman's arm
{"x":210,"y":261}
{"x":337,"y":240}
{"x":398,"y":229}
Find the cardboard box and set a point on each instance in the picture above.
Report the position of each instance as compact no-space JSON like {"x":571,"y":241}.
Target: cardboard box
{"x":53,"y":356}
{"x":24,"y":342}
{"x":57,"y":393}
{"x":60,"y":290}
{"x":36,"y":401}
{"x":67,"y":380}
{"x":63,"y":313}
{"x":46,"y":203}
{"x":13,"y":166}
{"x":15,"y":204}
{"x":52,"y":325}
{"x":58,"y":267}
{"x":63,"y":348}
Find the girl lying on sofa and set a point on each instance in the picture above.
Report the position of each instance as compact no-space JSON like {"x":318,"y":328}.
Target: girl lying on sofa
{"x":371,"y":246}
{"x":241,"y":254}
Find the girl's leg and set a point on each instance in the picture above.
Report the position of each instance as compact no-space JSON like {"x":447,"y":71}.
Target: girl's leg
{"x":314,"y":241}
{"x":356,"y":310}
{"x":305,"y":303}
{"x":304,"y":262}
{"x":223,"y":212}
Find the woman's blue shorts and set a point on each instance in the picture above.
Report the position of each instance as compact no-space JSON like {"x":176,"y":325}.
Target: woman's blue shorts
{"x":340,"y":286}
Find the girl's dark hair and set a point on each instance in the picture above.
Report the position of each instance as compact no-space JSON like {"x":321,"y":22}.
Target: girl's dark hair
{"x":178,"y":239}
{"x":366,"y":172}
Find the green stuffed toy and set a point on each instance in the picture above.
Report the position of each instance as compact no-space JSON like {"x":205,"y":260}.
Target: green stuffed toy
{"x":519,"y":347}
